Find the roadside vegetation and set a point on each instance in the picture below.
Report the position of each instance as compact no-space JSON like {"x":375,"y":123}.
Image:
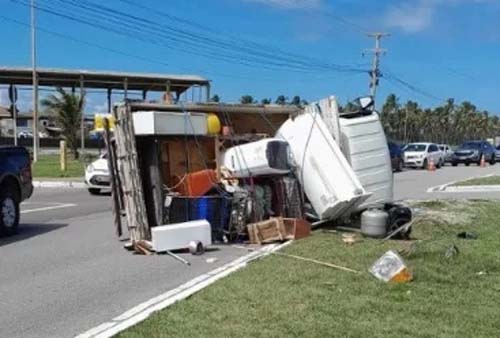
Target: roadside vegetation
{"x":451,"y":295}
{"x":48,"y":166}
{"x":489,"y":180}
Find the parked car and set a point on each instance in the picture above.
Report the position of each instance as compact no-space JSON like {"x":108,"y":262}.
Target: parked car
{"x":15,"y":186}
{"x":396,"y":154}
{"x":497,"y":152}
{"x":447,"y":152}
{"x":97,"y":175}
{"x":419,"y":155}
{"x":472,"y":151}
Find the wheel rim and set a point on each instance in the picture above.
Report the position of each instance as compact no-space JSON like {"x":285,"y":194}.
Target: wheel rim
{"x":8,"y":212}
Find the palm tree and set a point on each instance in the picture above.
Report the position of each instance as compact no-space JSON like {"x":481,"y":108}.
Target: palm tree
{"x":66,"y":108}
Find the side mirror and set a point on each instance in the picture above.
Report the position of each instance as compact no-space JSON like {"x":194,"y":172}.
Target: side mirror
{"x":365,"y":102}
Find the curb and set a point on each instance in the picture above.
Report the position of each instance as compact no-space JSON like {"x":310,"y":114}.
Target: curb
{"x":142,"y":311}
{"x":472,"y":188}
{"x":59,"y":184}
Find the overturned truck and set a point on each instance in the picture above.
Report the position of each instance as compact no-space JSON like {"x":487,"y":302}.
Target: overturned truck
{"x":238,"y":164}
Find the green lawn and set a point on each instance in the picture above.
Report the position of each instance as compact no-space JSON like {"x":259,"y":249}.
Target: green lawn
{"x":282,"y":297}
{"x":48,"y":166}
{"x":489,"y":180}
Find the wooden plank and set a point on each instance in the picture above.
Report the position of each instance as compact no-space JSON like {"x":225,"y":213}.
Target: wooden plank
{"x":128,"y":168}
{"x":116,"y":208}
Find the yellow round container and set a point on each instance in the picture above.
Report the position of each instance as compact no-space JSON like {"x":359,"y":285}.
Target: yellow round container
{"x":213,"y":124}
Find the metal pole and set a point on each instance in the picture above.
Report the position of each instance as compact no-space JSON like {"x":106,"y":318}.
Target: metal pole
{"x":109,"y":100}
{"x":13,"y":99}
{"x":35,"y":83}
{"x":83,"y":116}
{"x":375,"y":71}
{"x":125,"y":88}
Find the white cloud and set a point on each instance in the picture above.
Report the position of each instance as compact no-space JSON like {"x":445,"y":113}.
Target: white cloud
{"x":290,"y":4}
{"x":411,"y":18}
{"x":417,"y":16}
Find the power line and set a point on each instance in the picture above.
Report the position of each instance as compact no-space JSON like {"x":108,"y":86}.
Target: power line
{"x":146,"y":32}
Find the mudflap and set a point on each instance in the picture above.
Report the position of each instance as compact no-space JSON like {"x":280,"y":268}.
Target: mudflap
{"x":399,"y":215}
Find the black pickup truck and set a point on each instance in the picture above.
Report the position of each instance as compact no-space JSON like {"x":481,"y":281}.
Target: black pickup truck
{"x":15,"y":186}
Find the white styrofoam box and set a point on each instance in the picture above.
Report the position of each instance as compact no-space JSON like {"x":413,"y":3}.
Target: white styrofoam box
{"x":177,"y":236}
{"x":327,"y":178}
{"x":169,"y":123}
{"x":268,"y":156}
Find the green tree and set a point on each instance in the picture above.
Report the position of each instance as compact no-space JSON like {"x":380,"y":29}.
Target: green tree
{"x":296,"y":100}
{"x":67,"y":109}
{"x":265,"y":101}
{"x":282,"y":99}
{"x":247,"y":99}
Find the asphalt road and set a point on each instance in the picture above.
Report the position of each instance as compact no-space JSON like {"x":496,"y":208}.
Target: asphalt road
{"x":414,"y":184}
{"x":66,"y":272}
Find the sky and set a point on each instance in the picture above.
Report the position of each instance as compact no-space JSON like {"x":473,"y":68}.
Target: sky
{"x":437,"y":49}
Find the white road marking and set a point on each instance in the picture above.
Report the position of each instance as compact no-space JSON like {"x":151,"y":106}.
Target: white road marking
{"x":446,"y":186}
{"x":142,"y":311}
{"x":58,"y":206}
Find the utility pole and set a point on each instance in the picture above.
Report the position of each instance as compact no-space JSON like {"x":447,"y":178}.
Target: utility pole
{"x":375,"y":73}
{"x":35,"y":83}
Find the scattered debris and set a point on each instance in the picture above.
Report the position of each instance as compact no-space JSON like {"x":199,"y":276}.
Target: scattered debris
{"x":316,"y":262}
{"x":196,"y":248}
{"x":480,"y":273}
{"x":142,"y":248}
{"x":177,"y":257}
{"x":211,"y":260}
{"x":451,"y":252}
{"x":468,"y":235}
{"x":349,"y":238}
{"x":391,"y":267}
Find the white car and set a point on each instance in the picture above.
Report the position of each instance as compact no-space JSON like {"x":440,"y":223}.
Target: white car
{"x":447,"y":152}
{"x":97,"y":175}
{"x":419,"y":155}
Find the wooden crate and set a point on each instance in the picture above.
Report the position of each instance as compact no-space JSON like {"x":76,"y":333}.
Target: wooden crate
{"x":278,"y":229}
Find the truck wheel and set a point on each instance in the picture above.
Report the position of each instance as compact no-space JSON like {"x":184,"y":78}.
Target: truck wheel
{"x":467,"y":164}
{"x":424,"y":165}
{"x":400,"y":165}
{"x":493,"y":160}
{"x":454,"y":164}
{"x":9,"y":213}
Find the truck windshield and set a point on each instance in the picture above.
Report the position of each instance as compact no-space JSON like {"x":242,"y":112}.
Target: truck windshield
{"x":415,"y":147}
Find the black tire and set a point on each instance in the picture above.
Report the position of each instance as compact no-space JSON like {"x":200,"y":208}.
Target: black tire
{"x":467,"y":164}
{"x":94,"y":191}
{"x":438,"y":166}
{"x":9,"y":212}
{"x":400,"y":166}
{"x":425,"y":164}
{"x":493,"y":160}
{"x":454,"y":164}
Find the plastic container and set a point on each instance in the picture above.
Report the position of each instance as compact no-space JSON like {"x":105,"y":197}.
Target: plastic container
{"x":265,"y":157}
{"x":198,"y":183}
{"x":215,"y":209}
{"x":374,"y":223}
{"x":213,"y":124}
{"x":391,"y":267}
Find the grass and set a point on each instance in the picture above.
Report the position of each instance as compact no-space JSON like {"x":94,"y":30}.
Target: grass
{"x":281,"y":297}
{"x":489,"y":180}
{"x":48,"y":166}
